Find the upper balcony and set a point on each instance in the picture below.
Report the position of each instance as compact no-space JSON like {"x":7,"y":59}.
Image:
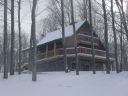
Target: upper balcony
{"x":86,"y":39}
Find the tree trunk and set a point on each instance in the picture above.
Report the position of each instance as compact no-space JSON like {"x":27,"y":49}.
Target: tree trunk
{"x":12,"y":63}
{"x":63,"y":36}
{"x":121,"y":46}
{"x":92,"y":41}
{"x":5,"y":41}
{"x":123,"y":52}
{"x":106,"y":37}
{"x":20,"y":46}
{"x":115,"y":38}
{"x":33,"y":41}
{"x":75,"y":38}
{"x":85,"y":9}
{"x":30,"y":55}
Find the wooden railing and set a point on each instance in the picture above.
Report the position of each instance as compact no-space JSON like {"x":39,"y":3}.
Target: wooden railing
{"x":59,"y":52}
{"x":72,"y":51}
{"x":87,"y":38}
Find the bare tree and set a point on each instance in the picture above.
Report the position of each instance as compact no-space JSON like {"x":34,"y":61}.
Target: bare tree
{"x":92,"y":41}
{"x":12,"y":63}
{"x":53,"y":21}
{"x":121,"y":45}
{"x":67,"y":6}
{"x":33,"y":41}
{"x":63,"y":35}
{"x":75,"y":38}
{"x":122,"y":14}
{"x":115,"y":38}
{"x":20,"y":43}
{"x":83,"y":9}
{"x":5,"y":41}
{"x":106,"y":38}
{"x":127,"y":11}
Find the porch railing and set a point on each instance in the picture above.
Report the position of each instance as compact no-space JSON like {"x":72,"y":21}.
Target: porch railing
{"x":70,"y":51}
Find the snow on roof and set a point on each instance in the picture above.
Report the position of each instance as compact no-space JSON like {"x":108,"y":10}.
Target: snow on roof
{"x":58,"y":33}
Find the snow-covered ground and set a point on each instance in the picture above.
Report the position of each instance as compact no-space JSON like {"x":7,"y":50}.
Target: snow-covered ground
{"x":61,"y":84}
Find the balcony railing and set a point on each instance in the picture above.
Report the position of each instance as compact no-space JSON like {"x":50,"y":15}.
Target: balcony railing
{"x":86,"y":38}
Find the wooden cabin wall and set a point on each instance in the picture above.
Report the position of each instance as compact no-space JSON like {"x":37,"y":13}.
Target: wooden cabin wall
{"x":59,"y":44}
{"x":84,"y":30}
{"x":41,"y":49}
{"x":70,"y":42}
{"x":58,"y":65}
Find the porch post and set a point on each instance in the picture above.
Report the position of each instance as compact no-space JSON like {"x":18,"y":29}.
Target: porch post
{"x":113,"y":66}
{"x":46,"y":51}
{"x":54,"y":48}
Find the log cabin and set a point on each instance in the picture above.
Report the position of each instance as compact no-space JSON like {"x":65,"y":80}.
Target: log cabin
{"x":50,"y":53}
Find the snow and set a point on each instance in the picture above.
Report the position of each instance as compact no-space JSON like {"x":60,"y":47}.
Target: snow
{"x":62,"y":84}
{"x":58,"y":34}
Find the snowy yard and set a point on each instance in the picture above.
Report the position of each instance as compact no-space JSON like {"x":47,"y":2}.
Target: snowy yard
{"x":61,"y":84}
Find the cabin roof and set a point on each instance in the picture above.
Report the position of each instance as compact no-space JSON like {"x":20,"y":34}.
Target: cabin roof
{"x":55,"y":35}
{"x":51,"y":36}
